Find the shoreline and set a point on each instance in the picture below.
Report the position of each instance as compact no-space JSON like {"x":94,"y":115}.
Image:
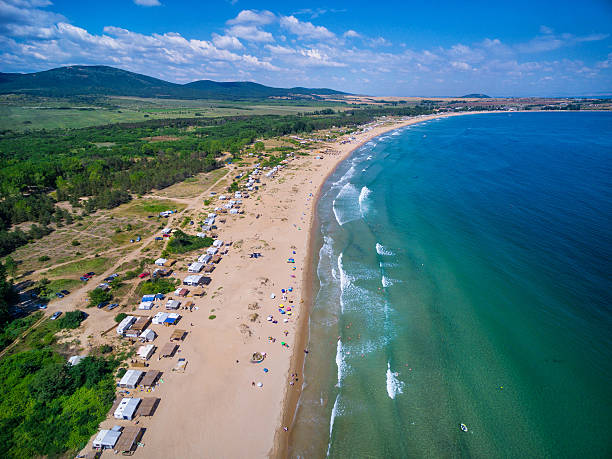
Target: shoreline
{"x":291,"y":398}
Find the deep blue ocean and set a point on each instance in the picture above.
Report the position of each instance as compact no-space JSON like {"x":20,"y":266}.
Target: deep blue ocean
{"x":464,"y":277}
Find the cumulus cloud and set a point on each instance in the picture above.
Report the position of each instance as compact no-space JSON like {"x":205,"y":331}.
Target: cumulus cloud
{"x":250,"y":33}
{"x":147,"y":2}
{"x":226,"y":41}
{"x":253,"y":17}
{"x":305,"y":29}
{"x":351,"y":34}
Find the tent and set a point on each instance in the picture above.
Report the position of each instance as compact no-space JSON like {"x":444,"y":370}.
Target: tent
{"x":168,"y":350}
{"x":148,"y":406}
{"x":150,"y":378}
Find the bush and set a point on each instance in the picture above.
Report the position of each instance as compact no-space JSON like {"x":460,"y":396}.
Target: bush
{"x":106,"y":349}
{"x":71,"y":320}
{"x":75,"y":243}
{"x":130,"y":275}
{"x":97,"y":295}
{"x":44,"y":258}
{"x":119,"y":317}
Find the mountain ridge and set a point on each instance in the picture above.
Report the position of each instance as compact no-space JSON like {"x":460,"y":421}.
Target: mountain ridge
{"x":79,"y":80}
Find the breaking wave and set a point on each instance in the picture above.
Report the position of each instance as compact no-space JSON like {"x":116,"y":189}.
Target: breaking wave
{"x":381,"y":250}
{"x":394,"y":385}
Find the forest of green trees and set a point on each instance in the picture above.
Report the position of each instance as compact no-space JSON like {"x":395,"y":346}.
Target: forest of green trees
{"x":101,"y":167}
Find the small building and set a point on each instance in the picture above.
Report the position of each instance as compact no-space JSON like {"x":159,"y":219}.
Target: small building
{"x":209,"y":269}
{"x":159,"y":318}
{"x":195,"y":267}
{"x":148,"y":406}
{"x":202,"y":235}
{"x":146,"y":305}
{"x":75,"y":360}
{"x":216,"y":259}
{"x":172,"y":319}
{"x":205,"y":258}
{"x":125,"y":325}
{"x":193,"y":280}
{"x":146,"y":298}
{"x":173,"y":304}
{"x":106,"y":439}
{"x":127,"y":408}
{"x":183,"y":292}
{"x":150,"y":378}
{"x":129,"y":439}
{"x":145,"y":352}
{"x":218,"y":243}
{"x":166,"y":231}
{"x":212,"y":250}
{"x":168,"y":350}
{"x":130,"y":379}
{"x":147,"y":335}
{"x":160,"y":261}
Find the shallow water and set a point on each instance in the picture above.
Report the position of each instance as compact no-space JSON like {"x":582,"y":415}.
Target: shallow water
{"x":463,"y":277}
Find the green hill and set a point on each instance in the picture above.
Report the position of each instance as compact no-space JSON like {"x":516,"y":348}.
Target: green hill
{"x":109,"y":81}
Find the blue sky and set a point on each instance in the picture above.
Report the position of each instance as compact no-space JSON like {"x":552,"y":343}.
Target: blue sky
{"x":407,"y":48}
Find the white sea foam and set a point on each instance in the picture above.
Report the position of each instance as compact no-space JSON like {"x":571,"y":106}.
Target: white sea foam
{"x":381,"y":250}
{"x":387,"y":264}
{"x":346,"y":204}
{"x":394,"y":385}
{"x":340,"y":363}
{"x":334,"y":413}
{"x":345,"y":281}
{"x":363,"y":196}
{"x":396,"y":133}
{"x":371,"y":144}
{"x":386,"y":282}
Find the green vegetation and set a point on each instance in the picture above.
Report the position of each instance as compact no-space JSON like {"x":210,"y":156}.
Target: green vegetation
{"x":96,"y":264}
{"x":16,"y":328}
{"x":71,"y":320}
{"x":156,"y":286}
{"x":97,"y":296}
{"x":119,"y":317}
{"x":47,"y":407}
{"x":212,"y":316}
{"x":48,"y":289}
{"x":181,"y":242}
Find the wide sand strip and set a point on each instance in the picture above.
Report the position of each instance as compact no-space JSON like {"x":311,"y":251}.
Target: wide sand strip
{"x":216,"y":407}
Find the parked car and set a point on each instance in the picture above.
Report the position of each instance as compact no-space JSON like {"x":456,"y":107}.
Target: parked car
{"x":102,"y":305}
{"x":166,"y":235}
{"x":145,"y":274}
{"x":84,"y":279}
{"x":65,"y":292}
{"x":91,"y":273}
{"x":112,"y":306}
{"x":132,"y":241}
{"x":42,"y":306}
{"x":56,"y":315}
{"x":159,"y":238}
{"x":138,"y":239}
{"x":59,"y":295}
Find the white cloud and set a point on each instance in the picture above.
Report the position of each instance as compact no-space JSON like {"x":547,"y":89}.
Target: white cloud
{"x":305,"y":29}
{"x":351,"y":34}
{"x":253,"y":17}
{"x":250,"y":33}
{"x":226,"y":41}
{"x":147,"y":2}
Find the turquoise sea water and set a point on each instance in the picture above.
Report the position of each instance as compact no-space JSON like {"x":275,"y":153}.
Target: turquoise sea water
{"x":464,"y":277}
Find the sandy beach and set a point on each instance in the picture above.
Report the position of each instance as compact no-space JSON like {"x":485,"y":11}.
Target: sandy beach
{"x":223,"y":405}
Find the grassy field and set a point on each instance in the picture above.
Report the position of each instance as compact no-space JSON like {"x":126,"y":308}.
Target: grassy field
{"x":193,"y":186}
{"x":77,"y":268}
{"x":19,"y":115}
{"x":145,"y":207}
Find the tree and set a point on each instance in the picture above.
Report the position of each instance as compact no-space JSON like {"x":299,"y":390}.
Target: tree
{"x":10,"y":266}
{"x":119,"y":317}
{"x":72,"y":319}
{"x":97,"y":296}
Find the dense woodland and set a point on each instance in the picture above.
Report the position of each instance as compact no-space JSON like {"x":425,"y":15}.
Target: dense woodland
{"x":101,"y":167}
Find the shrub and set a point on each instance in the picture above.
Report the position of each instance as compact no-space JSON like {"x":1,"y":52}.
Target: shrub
{"x":75,"y":243}
{"x":44,"y":258}
{"x":97,"y":295}
{"x":119,"y":317}
{"x":72,"y":319}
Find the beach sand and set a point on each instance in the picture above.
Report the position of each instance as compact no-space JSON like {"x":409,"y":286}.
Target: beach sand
{"x":213,"y":409}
